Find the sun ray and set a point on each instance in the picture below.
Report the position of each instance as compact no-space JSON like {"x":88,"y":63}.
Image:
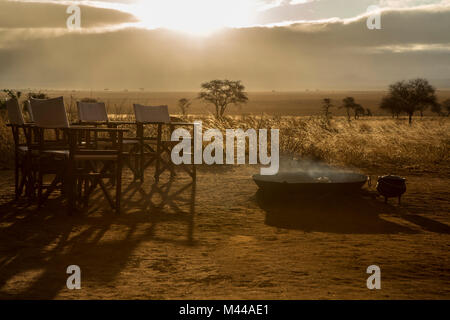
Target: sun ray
{"x":200,"y":17}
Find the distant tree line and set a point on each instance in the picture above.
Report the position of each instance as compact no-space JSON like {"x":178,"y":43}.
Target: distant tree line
{"x":349,"y":104}
{"x":404,"y":97}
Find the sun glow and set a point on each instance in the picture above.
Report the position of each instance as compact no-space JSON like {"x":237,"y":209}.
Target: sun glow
{"x":200,"y":17}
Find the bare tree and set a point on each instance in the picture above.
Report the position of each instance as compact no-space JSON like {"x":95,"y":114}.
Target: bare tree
{"x":184,"y":105}
{"x":222,"y":93}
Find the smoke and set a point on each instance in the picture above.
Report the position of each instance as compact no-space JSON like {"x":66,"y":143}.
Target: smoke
{"x":295,"y":170}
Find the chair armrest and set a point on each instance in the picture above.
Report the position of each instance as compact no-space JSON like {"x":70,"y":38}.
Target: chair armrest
{"x":88,"y":123}
{"x":96,"y":129}
{"x":182,"y":124}
{"x":25,"y":125}
{"x":118,"y":123}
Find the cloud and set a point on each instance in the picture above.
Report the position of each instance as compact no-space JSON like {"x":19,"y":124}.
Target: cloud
{"x":316,"y":10}
{"x":339,"y":54}
{"x":166,"y":13}
{"x":20,"y":15}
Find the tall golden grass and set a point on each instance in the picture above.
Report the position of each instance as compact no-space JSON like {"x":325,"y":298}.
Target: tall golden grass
{"x":365,"y":143}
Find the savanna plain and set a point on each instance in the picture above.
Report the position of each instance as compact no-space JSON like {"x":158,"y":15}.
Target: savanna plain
{"x":220,"y":239}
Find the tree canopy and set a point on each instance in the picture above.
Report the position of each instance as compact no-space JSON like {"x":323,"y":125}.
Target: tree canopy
{"x":411,"y":96}
{"x":222,"y":93}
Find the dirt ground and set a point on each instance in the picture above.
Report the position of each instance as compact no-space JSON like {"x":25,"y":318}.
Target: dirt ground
{"x":224,"y":240}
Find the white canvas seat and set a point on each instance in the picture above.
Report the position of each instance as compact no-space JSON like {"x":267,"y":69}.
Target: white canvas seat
{"x":151,"y":114}
{"x":92,"y":112}
{"x":15,"y":117}
{"x":49,"y":113}
{"x":14,"y":113}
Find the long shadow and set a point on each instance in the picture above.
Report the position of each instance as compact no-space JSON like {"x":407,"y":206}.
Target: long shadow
{"x":427,"y":223}
{"x":346,"y":214}
{"x":45,"y":242}
{"x":171,"y":200}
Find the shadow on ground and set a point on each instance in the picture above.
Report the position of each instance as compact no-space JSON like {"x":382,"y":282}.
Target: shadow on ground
{"x":359,"y":213}
{"x":47,"y":241}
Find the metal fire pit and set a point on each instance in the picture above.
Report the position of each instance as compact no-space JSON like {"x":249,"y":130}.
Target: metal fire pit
{"x":317,"y":183}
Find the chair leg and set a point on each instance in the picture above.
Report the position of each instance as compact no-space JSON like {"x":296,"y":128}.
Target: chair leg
{"x":16,"y":176}
{"x":158,"y":153}
{"x":31,"y":181}
{"x":141,"y":163}
{"x":22,"y":180}
{"x":70,"y":182}
{"x":118,"y":186}
{"x":40,"y":186}
{"x":136,"y":163}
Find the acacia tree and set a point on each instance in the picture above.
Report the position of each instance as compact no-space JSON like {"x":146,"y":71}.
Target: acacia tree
{"x":413,"y":95}
{"x":222,"y":93}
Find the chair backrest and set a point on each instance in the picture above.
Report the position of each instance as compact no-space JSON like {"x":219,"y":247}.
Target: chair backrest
{"x":14,"y":113}
{"x":28,"y":109}
{"x":151,"y":114}
{"x":92,"y":112}
{"x":49,"y":113}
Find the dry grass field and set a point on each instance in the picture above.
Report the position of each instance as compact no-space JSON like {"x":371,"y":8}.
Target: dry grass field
{"x":221,"y":239}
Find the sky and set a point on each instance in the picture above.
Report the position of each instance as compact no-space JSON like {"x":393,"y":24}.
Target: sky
{"x":175,"y":45}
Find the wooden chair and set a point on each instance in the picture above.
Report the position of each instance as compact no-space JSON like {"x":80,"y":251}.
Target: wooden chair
{"x":23,"y":175}
{"x":149,"y":143}
{"x":94,"y":113}
{"x":77,"y":167}
{"x":155,"y":147}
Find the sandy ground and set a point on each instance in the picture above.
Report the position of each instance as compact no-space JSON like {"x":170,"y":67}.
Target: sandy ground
{"x":230,"y":243}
